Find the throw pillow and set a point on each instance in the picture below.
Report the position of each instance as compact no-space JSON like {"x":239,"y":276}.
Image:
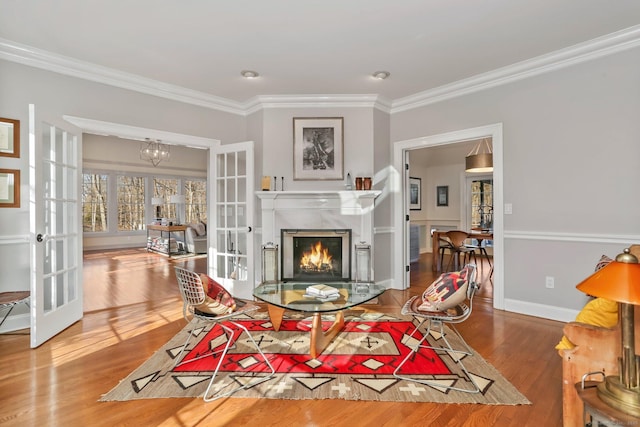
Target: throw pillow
{"x":447,"y":291}
{"x":217,"y":299}
{"x":598,"y":312}
{"x":199,"y":228}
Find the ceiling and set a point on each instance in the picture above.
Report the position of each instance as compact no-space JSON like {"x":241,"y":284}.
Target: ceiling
{"x":310,"y":47}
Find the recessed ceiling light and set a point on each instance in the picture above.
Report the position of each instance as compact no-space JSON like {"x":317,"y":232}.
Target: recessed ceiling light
{"x":248,"y":74}
{"x":381,"y":75}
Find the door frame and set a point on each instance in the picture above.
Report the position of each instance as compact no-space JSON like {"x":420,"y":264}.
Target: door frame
{"x":401,"y":208}
{"x":99,"y":127}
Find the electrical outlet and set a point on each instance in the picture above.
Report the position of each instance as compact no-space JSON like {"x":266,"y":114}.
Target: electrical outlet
{"x":549,"y":282}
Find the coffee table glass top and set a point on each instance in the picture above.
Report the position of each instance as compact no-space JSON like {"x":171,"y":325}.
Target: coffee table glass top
{"x":293,"y":295}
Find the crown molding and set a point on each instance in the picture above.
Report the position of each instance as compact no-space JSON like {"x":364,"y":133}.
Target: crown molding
{"x":27,"y":55}
{"x":582,"y":52}
{"x":317,"y":101}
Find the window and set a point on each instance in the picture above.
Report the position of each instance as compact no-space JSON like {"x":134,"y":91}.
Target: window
{"x":196,"y":200}
{"x":94,"y":202}
{"x":165,"y":188}
{"x":131,"y":203}
{"x":482,"y":203}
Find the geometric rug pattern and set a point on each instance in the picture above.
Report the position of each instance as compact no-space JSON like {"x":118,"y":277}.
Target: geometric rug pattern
{"x":357,"y":365}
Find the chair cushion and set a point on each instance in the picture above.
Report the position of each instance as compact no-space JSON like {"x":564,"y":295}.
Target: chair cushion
{"x":217,"y":299}
{"x":448,"y":290}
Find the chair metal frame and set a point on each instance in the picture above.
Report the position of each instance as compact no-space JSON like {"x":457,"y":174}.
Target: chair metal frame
{"x":192,"y":291}
{"x":8,"y":300}
{"x":436,"y":322}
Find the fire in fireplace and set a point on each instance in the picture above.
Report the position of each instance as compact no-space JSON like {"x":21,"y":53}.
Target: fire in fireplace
{"x":316,"y":255}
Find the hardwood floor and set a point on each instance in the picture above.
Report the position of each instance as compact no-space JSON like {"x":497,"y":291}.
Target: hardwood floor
{"x":133,"y":308}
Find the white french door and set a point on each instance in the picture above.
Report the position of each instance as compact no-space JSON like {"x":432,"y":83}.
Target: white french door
{"x":407,"y":223}
{"x":231,"y":221}
{"x":56,"y":238}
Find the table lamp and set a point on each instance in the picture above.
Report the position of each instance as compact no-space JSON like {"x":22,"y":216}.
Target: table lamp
{"x":157,"y":202}
{"x":620,"y":281}
{"x":178,"y":200}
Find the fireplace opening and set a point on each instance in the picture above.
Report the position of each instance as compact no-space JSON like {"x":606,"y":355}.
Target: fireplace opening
{"x":316,"y":255}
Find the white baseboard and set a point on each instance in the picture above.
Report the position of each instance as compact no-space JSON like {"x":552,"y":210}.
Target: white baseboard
{"x":540,"y":310}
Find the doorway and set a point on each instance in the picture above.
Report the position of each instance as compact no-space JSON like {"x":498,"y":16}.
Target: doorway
{"x":90,"y":126}
{"x":401,"y":208}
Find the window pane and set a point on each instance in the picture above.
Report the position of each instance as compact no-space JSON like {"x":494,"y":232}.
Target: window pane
{"x":165,"y":188}
{"x":130,"y":203}
{"x":482,"y":203}
{"x":94,"y":202}
{"x":196,"y":200}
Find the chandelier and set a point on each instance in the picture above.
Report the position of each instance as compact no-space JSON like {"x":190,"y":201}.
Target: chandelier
{"x":154,"y":151}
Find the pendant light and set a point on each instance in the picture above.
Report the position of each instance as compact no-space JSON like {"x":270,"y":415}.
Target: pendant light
{"x":480,"y":159}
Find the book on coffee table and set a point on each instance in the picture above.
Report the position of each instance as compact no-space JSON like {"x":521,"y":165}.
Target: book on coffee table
{"x":322,"y":291}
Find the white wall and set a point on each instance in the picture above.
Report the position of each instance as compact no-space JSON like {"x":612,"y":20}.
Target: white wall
{"x":570,"y":171}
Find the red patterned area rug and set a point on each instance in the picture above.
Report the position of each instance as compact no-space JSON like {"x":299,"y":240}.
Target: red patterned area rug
{"x":357,"y":365}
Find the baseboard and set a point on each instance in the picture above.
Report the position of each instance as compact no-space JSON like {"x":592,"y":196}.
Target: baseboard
{"x":540,"y":310}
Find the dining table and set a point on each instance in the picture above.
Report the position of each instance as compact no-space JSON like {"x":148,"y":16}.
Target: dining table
{"x":478,"y":235}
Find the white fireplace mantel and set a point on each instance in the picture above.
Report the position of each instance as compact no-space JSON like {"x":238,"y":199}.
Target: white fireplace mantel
{"x":318,"y":210}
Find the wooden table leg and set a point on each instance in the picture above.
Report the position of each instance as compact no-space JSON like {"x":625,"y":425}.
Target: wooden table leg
{"x":319,"y":339}
{"x":275,"y":315}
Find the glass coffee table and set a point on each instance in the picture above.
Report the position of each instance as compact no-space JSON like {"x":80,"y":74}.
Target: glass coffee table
{"x":292,"y":296}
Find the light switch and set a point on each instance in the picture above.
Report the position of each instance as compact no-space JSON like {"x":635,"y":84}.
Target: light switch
{"x":508,"y":208}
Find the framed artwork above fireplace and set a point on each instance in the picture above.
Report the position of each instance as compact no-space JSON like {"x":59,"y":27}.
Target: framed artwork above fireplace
{"x":318,"y":148}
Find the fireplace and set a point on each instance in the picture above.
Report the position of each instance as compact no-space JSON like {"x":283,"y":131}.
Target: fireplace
{"x":312,"y":255}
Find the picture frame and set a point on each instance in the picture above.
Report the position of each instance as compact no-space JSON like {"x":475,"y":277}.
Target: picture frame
{"x":442,"y":195}
{"x":318,"y":148}
{"x":415,"y":194}
{"x":9,"y":137}
{"x":9,"y":188}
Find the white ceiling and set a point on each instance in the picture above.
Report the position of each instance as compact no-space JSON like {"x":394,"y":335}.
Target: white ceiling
{"x":308,"y":47}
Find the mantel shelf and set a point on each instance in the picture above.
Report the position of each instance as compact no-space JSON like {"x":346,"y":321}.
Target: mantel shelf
{"x":357,"y":194}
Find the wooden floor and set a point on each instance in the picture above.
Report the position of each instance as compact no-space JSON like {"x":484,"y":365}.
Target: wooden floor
{"x":133,"y":308}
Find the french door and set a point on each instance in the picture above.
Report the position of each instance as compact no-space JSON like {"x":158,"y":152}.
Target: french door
{"x":56,"y":238}
{"x":232,"y":187}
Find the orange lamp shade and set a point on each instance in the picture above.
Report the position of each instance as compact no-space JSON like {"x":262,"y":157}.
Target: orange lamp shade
{"x":617,"y":281}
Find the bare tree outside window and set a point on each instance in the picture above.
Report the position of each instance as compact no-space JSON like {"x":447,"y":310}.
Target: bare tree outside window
{"x":165,"y":188}
{"x":130,"y":194}
{"x":94,"y":202}
{"x":196,"y":200}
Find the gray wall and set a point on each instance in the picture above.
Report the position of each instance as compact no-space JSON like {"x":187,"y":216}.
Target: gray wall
{"x":571,"y":156}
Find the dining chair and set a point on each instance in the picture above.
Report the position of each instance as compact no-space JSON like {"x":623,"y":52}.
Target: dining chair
{"x":454,"y":242}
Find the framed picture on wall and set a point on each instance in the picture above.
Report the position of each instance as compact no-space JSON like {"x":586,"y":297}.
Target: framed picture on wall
{"x":318,"y":148}
{"x":442,"y":195}
{"x":9,"y":137}
{"x":9,"y":188}
{"x":415,"y":194}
